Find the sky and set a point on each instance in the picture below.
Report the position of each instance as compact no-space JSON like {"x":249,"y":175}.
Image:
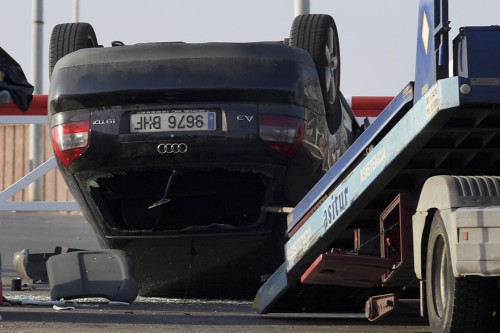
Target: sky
{"x":377,"y":37}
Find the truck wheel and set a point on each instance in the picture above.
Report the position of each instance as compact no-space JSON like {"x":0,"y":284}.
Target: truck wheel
{"x":460,"y":305}
{"x":317,"y":34}
{"x":67,"y":38}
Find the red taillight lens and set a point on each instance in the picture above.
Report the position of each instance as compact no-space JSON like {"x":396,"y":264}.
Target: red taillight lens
{"x":70,"y":140}
{"x":283,"y":134}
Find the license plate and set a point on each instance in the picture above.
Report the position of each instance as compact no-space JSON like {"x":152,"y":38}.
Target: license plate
{"x":172,"y":121}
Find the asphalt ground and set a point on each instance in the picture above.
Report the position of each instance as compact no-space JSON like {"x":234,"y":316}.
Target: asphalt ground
{"x":41,"y":233}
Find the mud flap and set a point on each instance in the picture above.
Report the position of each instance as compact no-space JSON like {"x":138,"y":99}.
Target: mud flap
{"x":103,"y":273}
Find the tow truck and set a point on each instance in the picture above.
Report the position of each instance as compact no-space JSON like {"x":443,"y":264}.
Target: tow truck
{"x":412,"y":209}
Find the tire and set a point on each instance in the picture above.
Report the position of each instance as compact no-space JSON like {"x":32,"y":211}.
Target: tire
{"x":317,"y":34}
{"x":455,"y":305}
{"x":67,"y":38}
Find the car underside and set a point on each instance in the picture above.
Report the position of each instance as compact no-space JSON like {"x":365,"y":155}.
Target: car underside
{"x":139,"y":201}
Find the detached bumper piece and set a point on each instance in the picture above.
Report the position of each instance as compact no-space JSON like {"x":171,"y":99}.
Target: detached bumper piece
{"x":32,"y":266}
{"x":104,"y":273}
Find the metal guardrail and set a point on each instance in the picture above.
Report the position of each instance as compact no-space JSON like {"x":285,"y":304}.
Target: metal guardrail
{"x":31,"y":177}
{"x":37,"y":114}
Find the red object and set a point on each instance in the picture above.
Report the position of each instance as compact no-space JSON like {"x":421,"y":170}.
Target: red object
{"x":369,"y":106}
{"x":362,"y":106}
{"x":70,"y":140}
{"x":283,"y":134}
{"x":396,"y":240}
{"x":38,"y":107}
{"x":346,"y":270}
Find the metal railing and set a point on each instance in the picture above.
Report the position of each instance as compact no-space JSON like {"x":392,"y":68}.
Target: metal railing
{"x":37,"y":114}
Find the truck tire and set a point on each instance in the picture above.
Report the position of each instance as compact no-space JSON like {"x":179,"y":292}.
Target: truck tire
{"x":317,"y":34}
{"x":67,"y":38}
{"x":454,"y":305}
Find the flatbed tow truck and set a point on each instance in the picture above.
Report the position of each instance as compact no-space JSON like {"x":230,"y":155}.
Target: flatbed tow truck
{"x":412,"y":209}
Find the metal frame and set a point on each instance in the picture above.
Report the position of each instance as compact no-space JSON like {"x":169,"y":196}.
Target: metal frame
{"x":34,"y":175}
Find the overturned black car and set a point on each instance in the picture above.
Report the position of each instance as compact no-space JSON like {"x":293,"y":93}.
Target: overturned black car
{"x":187,"y":156}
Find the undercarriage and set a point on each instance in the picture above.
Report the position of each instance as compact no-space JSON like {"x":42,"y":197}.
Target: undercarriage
{"x":163,"y":201}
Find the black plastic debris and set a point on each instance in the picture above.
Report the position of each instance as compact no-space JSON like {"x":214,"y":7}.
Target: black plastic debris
{"x":32,"y":266}
{"x":16,"y":284}
{"x":103,"y":273}
{"x":13,"y":80}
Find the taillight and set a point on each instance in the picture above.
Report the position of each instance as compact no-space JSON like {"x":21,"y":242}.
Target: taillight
{"x":70,"y":140}
{"x":283,"y":134}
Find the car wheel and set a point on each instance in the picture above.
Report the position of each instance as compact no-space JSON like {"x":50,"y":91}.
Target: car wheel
{"x":67,"y":38}
{"x":317,"y":34}
{"x":464,"y":304}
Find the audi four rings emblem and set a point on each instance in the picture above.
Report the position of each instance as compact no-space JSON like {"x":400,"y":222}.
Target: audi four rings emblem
{"x":172,"y":148}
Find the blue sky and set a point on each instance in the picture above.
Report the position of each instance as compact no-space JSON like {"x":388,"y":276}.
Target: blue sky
{"x":377,"y":38}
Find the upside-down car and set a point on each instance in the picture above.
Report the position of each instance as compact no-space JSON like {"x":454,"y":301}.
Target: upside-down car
{"x":188,"y":155}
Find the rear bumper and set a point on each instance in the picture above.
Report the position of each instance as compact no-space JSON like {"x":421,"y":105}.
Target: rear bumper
{"x":271,"y":72}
